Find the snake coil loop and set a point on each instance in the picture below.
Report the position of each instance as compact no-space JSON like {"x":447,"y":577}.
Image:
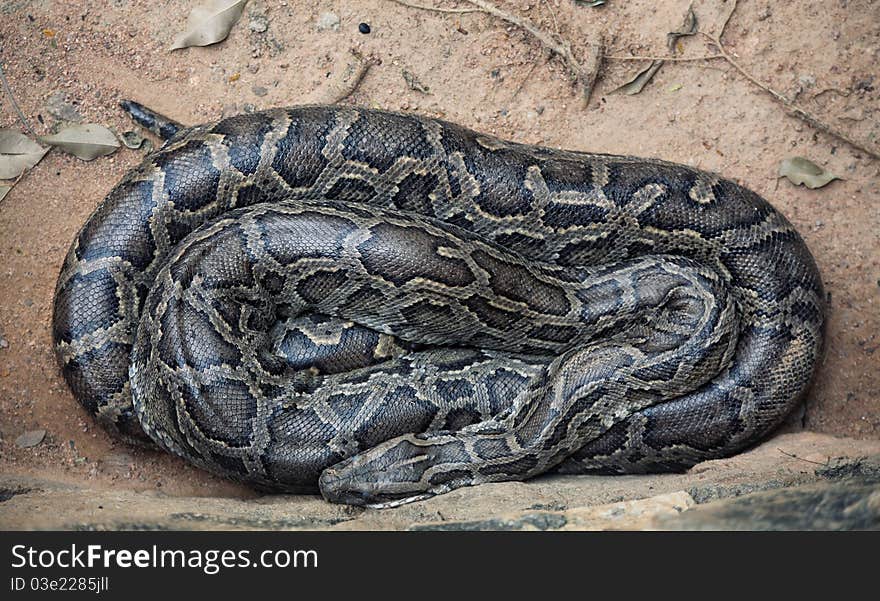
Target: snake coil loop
{"x":388,"y":306}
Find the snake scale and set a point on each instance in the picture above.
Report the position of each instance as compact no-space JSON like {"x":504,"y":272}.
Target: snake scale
{"x":385,"y":307}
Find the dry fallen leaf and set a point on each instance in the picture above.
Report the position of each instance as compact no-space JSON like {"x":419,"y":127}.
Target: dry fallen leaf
{"x":637,"y":83}
{"x":209,"y":23}
{"x":688,"y":27}
{"x":31,"y":438}
{"x":18,"y":153}
{"x":86,"y":142}
{"x":799,"y":170}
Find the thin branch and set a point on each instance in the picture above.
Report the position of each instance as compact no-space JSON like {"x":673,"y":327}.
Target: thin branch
{"x":726,"y":19}
{"x":799,"y":112}
{"x":8,"y":91}
{"x":586,"y":76}
{"x":789,"y":106}
{"x":439,"y":10}
{"x":551,"y":41}
{"x":793,"y":456}
{"x":522,"y":83}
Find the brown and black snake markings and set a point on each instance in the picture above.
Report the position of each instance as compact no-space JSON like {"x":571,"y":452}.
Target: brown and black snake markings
{"x":386,"y":307}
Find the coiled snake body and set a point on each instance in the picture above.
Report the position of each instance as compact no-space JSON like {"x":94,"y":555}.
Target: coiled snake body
{"x":389,"y":307}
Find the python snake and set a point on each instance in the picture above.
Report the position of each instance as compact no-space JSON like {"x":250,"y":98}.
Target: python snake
{"x":385,"y":307}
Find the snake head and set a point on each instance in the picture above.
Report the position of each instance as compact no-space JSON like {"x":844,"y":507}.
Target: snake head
{"x":401,"y":470}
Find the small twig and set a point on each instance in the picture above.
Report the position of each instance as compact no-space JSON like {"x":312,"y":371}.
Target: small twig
{"x":522,"y":83}
{"x":8,"y":91}
{"x":791,"y":107}
{"x":555,"y":43}
{"x":551,"y":41}
{"x":793,"y":456}
{"x":787,"y":104}
{"x":726,"y":19}
{"x":842,"y":93}
{"x":438,"y":10}
{"x":680,"y":59}
{"x":355,"y":78}
{"x":553,"y":15}
{"x":587,"y":75}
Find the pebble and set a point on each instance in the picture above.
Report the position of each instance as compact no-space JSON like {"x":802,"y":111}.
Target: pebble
{"x":328,"y":21}
{"x":864,"y":85}
{"x":3,"y":342}
{"x":29,"y":439}
{"x":259,"y":24}
{"x":132,"y":139}
{"x":259,"y":90}
{"x":364,"y":28}
{"x":248,"y":107}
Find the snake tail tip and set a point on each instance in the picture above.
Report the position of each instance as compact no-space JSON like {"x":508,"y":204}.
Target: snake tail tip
{"x":159,"y":124}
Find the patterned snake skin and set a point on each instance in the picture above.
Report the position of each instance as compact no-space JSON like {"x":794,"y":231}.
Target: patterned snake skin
{"x":388,"y":307}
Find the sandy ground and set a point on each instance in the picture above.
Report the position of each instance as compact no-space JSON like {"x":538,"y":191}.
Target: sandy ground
{"x":479,"y":72}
